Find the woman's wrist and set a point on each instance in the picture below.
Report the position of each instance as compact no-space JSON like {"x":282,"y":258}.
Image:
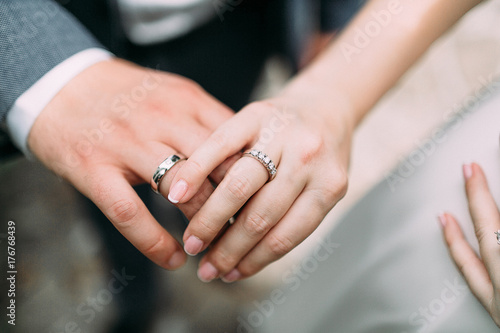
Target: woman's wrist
{"x":312,"y":98}
{"x":344,"y":86}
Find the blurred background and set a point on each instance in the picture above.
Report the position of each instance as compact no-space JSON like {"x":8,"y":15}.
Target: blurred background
{"x":69,"y":282}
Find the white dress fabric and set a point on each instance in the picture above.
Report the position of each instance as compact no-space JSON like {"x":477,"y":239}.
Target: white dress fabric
{"x":390,"y":270}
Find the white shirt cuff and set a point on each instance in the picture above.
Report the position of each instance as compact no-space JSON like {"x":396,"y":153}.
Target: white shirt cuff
{"x":28,"y":106}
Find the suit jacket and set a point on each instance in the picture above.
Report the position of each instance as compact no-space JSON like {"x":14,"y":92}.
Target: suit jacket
{"x":36,"y":35}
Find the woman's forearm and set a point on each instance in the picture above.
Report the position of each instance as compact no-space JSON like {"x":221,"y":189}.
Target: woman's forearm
{"x":373,"y":52}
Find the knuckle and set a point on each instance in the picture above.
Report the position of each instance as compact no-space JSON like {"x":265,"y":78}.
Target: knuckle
{"x":188,"y":86}
{"x":153,"y":106}
{"x":238,"y":188}
{"x":256,"y":225}
{"x":194,"y":167}
{"x":204,"y":229}
{"x":312,"y":146}
{"x":156,"y":247}
{"x":123,"y":212}
{"x":182,"y":87}
{"x":332,"y":190}
{"x":481,"y":233}
{"x":280,"y":245}
{"x":339,"y":187}
{"x":223,"y":261}
{"x":192,"y":85}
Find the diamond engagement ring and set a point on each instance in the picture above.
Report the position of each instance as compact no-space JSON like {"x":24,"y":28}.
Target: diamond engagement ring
{"x":264,"y":160}
{"x":498,"y":236}
{"x":162,"y":171}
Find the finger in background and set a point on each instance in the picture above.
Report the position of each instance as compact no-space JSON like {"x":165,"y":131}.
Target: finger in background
{"x":467,"y":261}
{"x":484,"y":213}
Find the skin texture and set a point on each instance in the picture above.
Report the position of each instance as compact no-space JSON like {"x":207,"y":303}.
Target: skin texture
{"x":323,"y":105}
{"x":296,"y":198}
{"x":480,"y":272}
{"x":113,"y":124}
{"x":109,"y":129}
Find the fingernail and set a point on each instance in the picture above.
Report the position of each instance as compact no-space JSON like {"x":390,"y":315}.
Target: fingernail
{"x":178,"y":191}
{"x":442,"y":219}
{"x":176,"y":260}
{"x":207,"y":272}
{"x":231,"y":276}
{"x":193,"y":245}
{"x":467,"y":171}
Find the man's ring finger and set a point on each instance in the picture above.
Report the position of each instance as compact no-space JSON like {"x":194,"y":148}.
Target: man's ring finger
{"x":161,"y":171}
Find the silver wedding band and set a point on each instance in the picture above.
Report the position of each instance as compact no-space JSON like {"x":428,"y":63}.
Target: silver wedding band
{"x":162,"y":171}
{"x":264,"y":160}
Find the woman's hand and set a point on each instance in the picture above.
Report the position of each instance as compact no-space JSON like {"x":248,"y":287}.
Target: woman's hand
{"x":481,"y":273}
{"x":306,"y":131}
{"x":309,"y":144}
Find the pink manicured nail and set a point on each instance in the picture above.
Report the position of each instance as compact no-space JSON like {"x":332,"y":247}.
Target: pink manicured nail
{"x":193,"y":245}
{"x":442,"y":220}
{"x":178,"y":191}
{"x":207,"y":272}
{"x":467,"y":171}
{"x":176,"y":260}
{"x":231,"y":276}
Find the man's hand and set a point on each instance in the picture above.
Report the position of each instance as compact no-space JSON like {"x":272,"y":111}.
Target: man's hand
{"x":110,"y":128}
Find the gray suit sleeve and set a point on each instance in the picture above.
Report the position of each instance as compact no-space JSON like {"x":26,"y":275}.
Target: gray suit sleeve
{"x":35,"y":36}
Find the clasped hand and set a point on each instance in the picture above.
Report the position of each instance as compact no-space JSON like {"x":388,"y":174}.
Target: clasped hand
{"x":311,"y":152}
{"x":114,"y":123}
